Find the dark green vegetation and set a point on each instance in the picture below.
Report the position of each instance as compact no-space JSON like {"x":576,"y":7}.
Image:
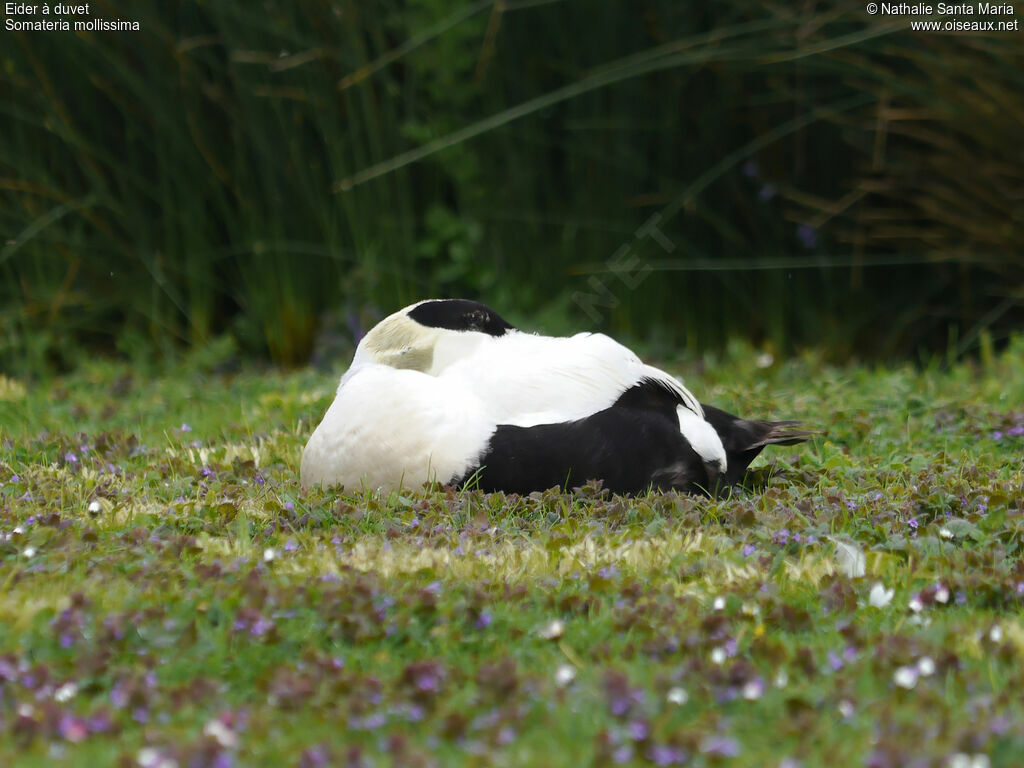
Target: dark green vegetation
{"x":830,"y":177}
{"x":167,"y":593}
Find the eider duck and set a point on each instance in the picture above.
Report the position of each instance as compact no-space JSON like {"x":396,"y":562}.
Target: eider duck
{"x":448,"y":391}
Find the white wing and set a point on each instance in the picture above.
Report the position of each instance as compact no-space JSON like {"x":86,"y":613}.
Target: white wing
{"x":526,"y":380}
{"x":389,"y":428}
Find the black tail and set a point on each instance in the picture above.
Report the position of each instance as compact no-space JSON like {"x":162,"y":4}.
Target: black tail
{"x":744,"y":439}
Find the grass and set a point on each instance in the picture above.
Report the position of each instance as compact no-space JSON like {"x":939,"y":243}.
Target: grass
{"x":805,"y":165}
{"x":167,"y":593}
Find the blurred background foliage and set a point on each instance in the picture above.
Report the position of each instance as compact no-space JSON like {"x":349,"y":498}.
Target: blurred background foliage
{"x":273,"y":177}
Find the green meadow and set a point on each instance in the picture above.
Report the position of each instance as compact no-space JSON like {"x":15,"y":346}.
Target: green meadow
{"x":170,"y":597}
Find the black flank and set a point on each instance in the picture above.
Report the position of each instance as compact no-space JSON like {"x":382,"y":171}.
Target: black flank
{"x":630,"y":450}
{"x":651,"y":395}
{"x":460,"y":315}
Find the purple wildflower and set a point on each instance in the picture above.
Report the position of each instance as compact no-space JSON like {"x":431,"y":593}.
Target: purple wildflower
{"x":622,"y":754}
{"x":663,"y":754}
{"x":184,"y":427}
{"x":315,"y":757}
{"x":748,"y":550}
{"x":261,"y":626}
{"x":720,"y":746}
{"x":289,"y":506}
{"x":290,"y":545}
{"x":72,"y":728}
{"x":100,"y":722}
{"x":368,"y":723}
{"x":638,"y":730}
{"x":808,"y":235}
{"x":70,"y":457}
{"x":766,"y":193}
{"x":997,"y":435}
{"x":428,"y":683}
{"x":119,"y":695}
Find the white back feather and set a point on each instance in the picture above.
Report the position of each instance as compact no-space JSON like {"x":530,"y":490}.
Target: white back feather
{"x":389,"y":428}
{"x":523,"y":377}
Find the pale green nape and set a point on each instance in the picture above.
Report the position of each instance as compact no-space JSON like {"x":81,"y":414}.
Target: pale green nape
{"x":399,"y":342}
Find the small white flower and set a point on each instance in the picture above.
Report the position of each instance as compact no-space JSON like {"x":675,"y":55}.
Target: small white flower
{"x":718,"y":655}
{"x":764,"y":360}
{"x":66,"y":692}
{"x":880,"y":596}
{"x":942,"y":595}
{"x":849,"y":560}
{"x":553,"y":630}
{"x":564,"y":675}
{"x":996,"y":634}
{"x":781,"y":679}
{"x":926,"y":666}
{"x":25,"y":710}
{"x":963,"y":760}
{"x":677,"y":696}
{"x":719,"y":603}
{"x":29,"y":552}
{"x":149,"y":757}
{"x":945,"y":533}
{"x":95,"y":507}
{"x":753,"y":690}
{"x":18,"y":530}
{"x":905,"y":677}
{"x":846,"y":708}
{"x":220,"y":733}
{"x":915,"y":604}
{"x":269,"y":554}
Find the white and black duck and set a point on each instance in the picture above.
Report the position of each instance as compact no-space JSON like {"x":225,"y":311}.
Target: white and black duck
{"x":447,"y":390}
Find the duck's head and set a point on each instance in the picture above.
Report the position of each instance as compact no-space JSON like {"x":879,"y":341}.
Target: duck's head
{"x":430,"y":335}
